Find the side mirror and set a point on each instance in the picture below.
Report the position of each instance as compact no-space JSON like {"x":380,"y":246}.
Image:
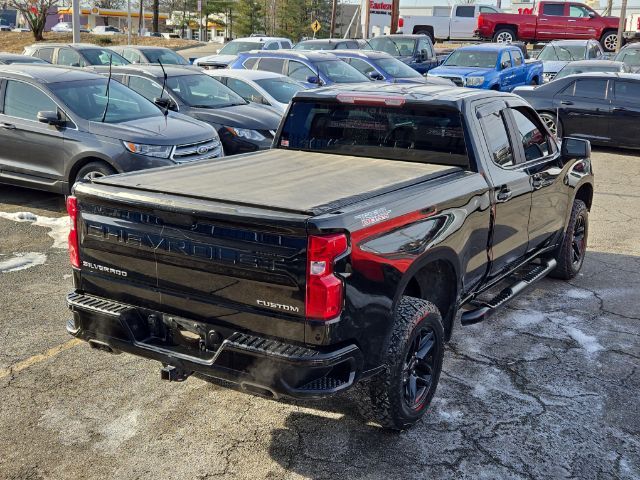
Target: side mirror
{"x":504,"y":65}
{"x":165,"y":103}
{"x":575,"y":149}
{"x":314,"y":80}
{"x":50,"y":118}
{"x":375,"y":76}
{"x":592,"y":15}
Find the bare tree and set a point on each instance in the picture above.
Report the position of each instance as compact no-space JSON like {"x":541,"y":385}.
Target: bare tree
{"x":35,"y":12}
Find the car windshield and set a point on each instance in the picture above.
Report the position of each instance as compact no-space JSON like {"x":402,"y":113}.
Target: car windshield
{"x":340,"y":72}
{"x":396,"y":68}
{"x":472,"y":58}
{"x":88,"y":100}
{"x":572,"y":70}
{"x":101,"y":56}
{"x":202,"y":91}
{"x":423,"y":134}
{"x":167,"y":57}
{"x":630,"y":56}
{"x":315,"y":46}
{"x":564,"y":53}
{"x":282,"y":89}
{"x":235,"y":47}
{"x":398,"y":47}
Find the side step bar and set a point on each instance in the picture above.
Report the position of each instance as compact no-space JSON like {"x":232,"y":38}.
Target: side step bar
{"x":486,"y":309}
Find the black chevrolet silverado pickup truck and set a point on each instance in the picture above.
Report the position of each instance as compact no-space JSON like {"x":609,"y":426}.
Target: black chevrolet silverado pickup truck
{"x":343,"y":255}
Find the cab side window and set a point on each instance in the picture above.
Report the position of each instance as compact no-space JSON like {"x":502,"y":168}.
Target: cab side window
{"x":69,"y":57}
{"x":145,"y":87}
{"x":533,"y":136}
{"x":497,"y":138}
{"x":466,"y":11}
{"x":505,"y":60}
{"x":299,"y":71}
{"x":45,"y":54}
{"x":249,"y":63}
{"x":271,"y":65}
{"x":22,"y":100}
{"x":361,"y":66}
{"x":517,"y":58}
{"x":553,"y":9}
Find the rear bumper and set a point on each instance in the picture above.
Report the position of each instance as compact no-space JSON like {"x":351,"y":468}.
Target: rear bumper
{"x":256,"y":364}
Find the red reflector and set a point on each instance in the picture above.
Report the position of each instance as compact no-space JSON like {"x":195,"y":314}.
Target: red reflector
{"x":364,"y":99}
{"x":324,"y":290}
{"x":400,"y":22}
{"x":74,"y":250}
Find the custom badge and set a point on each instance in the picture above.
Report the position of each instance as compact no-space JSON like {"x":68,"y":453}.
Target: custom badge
{"x":374,"y":216}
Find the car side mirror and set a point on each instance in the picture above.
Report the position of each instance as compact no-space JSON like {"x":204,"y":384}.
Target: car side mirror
{"x":50,"y":118}
{"x":314,"y":80}
{"x":165,"y":103}
{"x":504,"y":65}
{"x":375,"y":76}
{"x":592,"y":15}
{"x":575,"y":149}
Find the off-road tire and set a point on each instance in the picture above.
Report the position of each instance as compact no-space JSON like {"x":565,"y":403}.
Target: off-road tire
{"x":568,"y":267}
{"x":98,"y":169}
{"x":381,"y":398}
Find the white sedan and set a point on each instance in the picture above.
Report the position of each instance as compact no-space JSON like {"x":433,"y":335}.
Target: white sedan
{"x":266,"y":88}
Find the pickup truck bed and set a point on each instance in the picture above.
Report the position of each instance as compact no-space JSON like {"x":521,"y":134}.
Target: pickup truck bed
{"x":306,"y":183}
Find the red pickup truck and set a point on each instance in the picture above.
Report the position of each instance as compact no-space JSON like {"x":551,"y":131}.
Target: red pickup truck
{"x":550,"y":21}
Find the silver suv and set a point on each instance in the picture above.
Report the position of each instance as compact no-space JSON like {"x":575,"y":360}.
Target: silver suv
{"x":59,"y":125}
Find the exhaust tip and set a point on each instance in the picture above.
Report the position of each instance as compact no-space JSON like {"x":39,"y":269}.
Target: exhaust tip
{"x":98,"y":345}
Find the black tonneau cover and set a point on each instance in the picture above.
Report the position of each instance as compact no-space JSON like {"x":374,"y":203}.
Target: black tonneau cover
{"x":293,"y":181}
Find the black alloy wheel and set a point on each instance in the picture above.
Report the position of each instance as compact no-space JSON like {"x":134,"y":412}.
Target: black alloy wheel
{"x":419,"y":365}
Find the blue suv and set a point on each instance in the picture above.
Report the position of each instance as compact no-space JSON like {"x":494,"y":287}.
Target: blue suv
{"x":312,"y":69}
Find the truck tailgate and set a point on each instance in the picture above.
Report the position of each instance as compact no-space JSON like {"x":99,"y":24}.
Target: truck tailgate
{"x":286,"y":180}
{"x":208,"y":261}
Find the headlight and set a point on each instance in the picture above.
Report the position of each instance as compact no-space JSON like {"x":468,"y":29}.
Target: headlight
{"x":475,"y":81}
{"x":159,"y":151}
{"x":246,"y":133}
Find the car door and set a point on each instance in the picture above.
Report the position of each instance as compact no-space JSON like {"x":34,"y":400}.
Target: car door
{"x":463,"y":22}
{"x":511,"y":190}
{"x":625,"y":115}
{"x":31,"y":151}
{"x":552,"y":21}
{"x":538,"y":156}
{"x":519,"y":68}
{"x":507,"y":72}
{"x":579,"y":23}
{"x":584,"y":108}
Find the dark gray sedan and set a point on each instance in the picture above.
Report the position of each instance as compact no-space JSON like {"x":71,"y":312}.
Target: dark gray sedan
{"x":60,"y":124}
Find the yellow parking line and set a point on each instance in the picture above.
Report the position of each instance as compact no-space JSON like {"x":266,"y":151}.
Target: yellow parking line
{"x":52,"y":352}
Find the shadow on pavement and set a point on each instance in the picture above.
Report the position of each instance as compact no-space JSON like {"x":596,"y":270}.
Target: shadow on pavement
{"x":25,"y":199}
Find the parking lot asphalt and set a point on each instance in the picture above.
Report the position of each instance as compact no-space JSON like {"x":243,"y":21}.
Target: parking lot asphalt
{"x":546,"y":388}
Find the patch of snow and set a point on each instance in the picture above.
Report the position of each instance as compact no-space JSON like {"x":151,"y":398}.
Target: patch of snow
{"x":22,"y":261}
{"x":578,"y":294}
{"x":58,"y":226}
{"x":525,"y":319}
{"x":587,"y":342}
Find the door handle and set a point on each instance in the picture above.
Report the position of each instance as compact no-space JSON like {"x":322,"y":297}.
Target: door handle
{"x":571,"y":20}
{"x":504,"y":194}
{"x":7,"y":126}
{"x":566,"y":102}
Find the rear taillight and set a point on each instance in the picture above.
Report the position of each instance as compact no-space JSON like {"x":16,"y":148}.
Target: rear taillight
{"x":324,"y":290}
{"x":480,"y":21}
{"x":74,"y":250}
{"x":638,"y":24}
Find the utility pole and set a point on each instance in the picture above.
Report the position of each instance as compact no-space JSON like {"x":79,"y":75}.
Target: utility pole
{"x":621,"y":25}
{"x":334,"y":9}
{"x":367,"y":18}
{"x":395,"y":15}
{"x":128,"y":22}
{"x":75,"y":20}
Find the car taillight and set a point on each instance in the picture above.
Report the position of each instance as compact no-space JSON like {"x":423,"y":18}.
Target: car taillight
{"x":74,"y":250}
{"x":638,"y":24}
{"x":480,"y":21}
{"x":324,"y":289}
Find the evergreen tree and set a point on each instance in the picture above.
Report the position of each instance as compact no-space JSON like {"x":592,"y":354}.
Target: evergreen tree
{"x":249,"y":16}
